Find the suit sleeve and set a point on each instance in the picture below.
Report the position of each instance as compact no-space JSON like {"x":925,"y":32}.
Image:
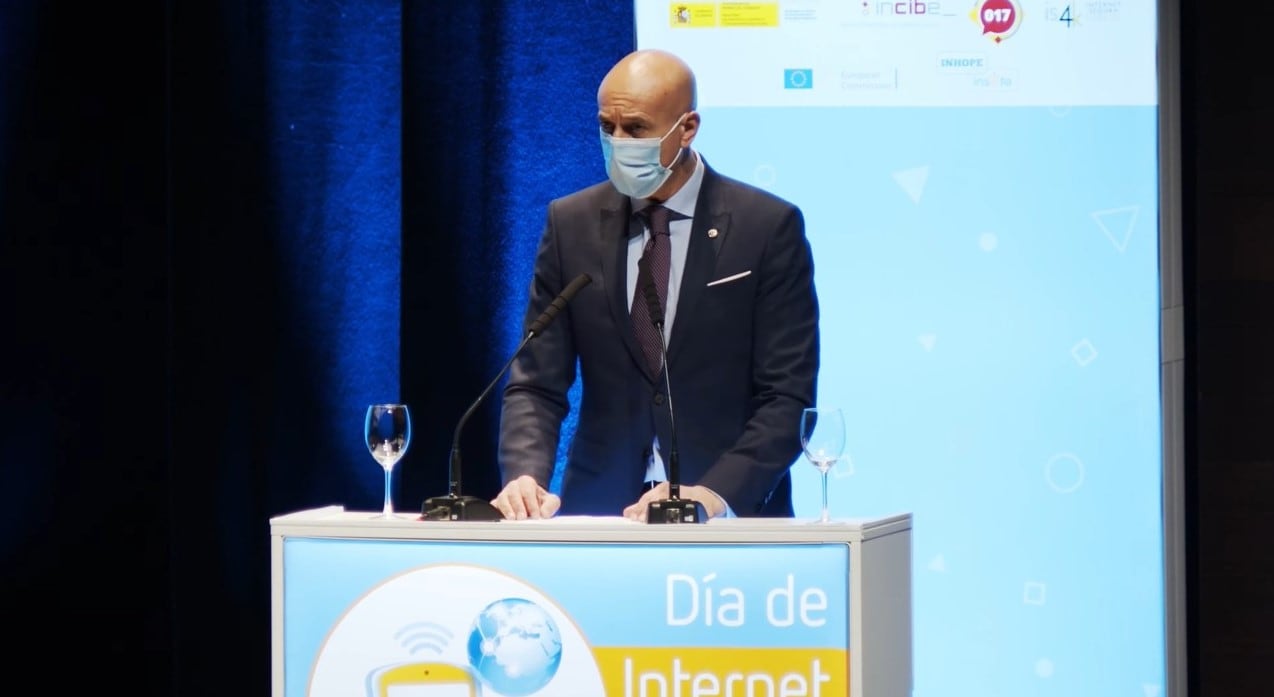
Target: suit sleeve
{"x":535,"y":397}
{"x":784,"y":372}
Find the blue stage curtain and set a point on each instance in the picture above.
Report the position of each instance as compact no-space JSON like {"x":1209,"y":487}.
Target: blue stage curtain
{"x":333,"y":82}
{"x":227,"y":227}
{"x":499,"y":117}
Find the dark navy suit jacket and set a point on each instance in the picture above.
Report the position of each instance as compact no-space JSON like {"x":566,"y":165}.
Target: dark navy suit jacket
{"x":743,"y":354}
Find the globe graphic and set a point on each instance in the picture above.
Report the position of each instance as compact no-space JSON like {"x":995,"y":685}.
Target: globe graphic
{"x":515,"y":647}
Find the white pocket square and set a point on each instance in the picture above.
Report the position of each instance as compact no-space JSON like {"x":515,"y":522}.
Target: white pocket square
{"x":727,"y":279}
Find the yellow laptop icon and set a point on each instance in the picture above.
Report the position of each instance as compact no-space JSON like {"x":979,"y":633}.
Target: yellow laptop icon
{"x":424,"y":680}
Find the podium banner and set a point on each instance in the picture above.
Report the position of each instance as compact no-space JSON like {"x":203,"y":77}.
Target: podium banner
{"x":411,"y":618}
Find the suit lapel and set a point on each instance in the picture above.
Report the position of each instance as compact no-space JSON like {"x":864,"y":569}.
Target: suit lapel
{"x":614,"y":223}
{"x":701,"y":262}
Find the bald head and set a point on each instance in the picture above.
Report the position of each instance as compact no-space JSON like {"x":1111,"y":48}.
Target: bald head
{"x":657,"y":79}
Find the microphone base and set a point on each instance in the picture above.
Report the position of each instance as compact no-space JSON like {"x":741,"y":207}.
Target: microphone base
{"x":459,"y":508}
{"x":675,"y":511}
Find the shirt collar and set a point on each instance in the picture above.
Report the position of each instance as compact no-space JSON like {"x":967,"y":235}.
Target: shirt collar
{"x":682,"y":203}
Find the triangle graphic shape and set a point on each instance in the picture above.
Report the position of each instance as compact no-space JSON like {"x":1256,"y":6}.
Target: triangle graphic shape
{"x":913,"y":181}
{"x":1117,"y":224}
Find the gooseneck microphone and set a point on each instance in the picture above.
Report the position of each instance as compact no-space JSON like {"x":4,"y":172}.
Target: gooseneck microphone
{"x":454,"y":505}
{"x":673,"y":509}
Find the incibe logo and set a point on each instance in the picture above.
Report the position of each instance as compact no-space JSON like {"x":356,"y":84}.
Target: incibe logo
{"x":904,"y":8}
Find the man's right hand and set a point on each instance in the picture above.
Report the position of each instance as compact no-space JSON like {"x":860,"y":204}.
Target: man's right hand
{"x":524,"y":498}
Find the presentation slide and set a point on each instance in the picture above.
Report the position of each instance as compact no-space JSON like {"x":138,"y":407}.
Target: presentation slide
{"x":980,"y":187}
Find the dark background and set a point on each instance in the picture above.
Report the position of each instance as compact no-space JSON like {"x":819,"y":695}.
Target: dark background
{"x":160,"y":396}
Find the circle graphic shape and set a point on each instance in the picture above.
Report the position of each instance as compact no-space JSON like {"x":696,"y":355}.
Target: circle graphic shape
{"x":515,"y":647}
{"x":1064,"y":473}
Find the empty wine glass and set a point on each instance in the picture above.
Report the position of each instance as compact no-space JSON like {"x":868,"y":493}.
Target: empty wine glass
{"x":387,"y":431}
{"x":823,"y":440}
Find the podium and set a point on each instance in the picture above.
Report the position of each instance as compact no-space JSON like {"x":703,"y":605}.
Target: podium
{"x":589,"y":607}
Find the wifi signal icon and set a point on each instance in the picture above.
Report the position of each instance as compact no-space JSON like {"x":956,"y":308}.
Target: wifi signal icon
{"x":418,"y":637}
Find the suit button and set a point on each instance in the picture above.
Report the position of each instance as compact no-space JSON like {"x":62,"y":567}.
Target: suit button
{"x":659,"y":399}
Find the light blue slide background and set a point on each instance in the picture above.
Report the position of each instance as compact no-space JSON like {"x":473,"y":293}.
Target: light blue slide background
{"x":988,"y":279}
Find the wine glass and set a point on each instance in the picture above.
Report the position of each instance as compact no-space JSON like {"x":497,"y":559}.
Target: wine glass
{"x":823,"y":440}
{"x":387,"y":430}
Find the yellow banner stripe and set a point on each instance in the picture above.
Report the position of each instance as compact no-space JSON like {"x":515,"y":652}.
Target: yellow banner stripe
{"x":723,"y":672}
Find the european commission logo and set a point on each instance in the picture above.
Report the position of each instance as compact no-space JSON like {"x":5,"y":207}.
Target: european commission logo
{"x":798,"y":78}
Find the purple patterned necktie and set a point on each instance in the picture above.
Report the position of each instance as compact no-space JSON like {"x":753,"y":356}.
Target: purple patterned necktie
{"x":658,"y":252}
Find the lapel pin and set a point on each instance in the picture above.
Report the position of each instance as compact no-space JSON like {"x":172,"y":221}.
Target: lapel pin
{"x":712,"y":233}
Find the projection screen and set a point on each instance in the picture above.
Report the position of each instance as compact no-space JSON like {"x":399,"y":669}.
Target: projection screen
{"x":981,"y":183}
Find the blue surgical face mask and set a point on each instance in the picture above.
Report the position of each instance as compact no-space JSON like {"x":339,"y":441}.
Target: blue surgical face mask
{"x":633,"y":163}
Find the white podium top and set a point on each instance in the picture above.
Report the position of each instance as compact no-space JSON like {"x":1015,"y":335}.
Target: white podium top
{"x":335,"y":521}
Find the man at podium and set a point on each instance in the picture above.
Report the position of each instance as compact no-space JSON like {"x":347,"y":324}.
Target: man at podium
{"x":732,"y":270}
